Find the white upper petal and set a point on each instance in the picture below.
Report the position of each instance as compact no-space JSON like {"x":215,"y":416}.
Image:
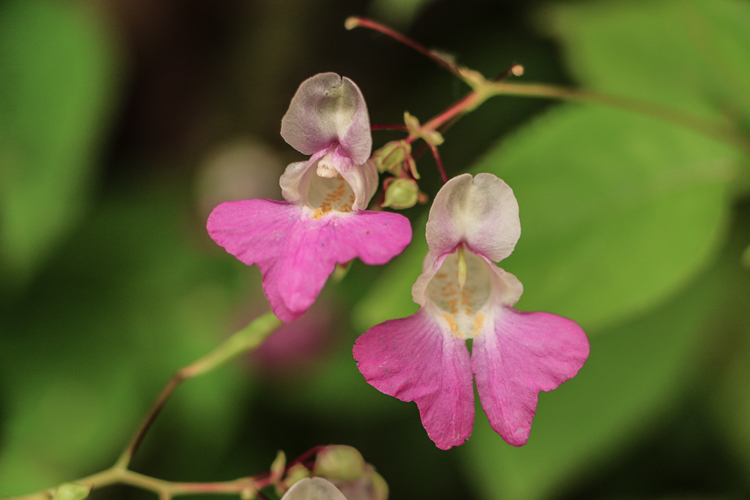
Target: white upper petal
{"x":480,"y":211}
{"x":326,"y":110}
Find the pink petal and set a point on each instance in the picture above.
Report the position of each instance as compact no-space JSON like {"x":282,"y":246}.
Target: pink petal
{"x":419,"y":359}
{"x":480,"y":211}
{"x":328,"y":109}
{"x":521,"y":354}
{"x":297,"y":254}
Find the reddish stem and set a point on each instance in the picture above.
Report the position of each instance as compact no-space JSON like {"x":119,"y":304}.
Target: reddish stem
{"x":354,"y":22}
{"x":305,"y":456}
{"x":452,"y":112}
{"x":435,"y":154}
{"x":402,"y":128}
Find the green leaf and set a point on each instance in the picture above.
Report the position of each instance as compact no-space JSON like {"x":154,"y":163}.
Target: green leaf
{"x":635,"y":372}
{"x":691,"y":55}
{"x":617,"y":212}
{"x":746,"y":257}
{"x":55,"y":91}
{"x":730,"y":333}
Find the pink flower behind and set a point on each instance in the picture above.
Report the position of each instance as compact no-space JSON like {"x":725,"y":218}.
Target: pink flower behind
{"x":297,"y":243}
{"x":463,"y":295}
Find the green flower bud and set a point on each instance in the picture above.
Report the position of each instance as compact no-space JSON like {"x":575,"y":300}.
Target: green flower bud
{"x":379,"y":487}
{"x":415,"y":128}
{"x":277,"y":467}
{"x":296,"y":473}
{"x":340,"y":462}
{"x":390,"y":157}
{"x":71,"y":491}
{"x":412,"y":123}
{"x":401,"y":193}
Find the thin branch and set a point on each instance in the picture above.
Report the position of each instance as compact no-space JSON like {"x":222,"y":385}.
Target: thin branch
{"x":354,"y":22}
{"x":435,"y":154}
{"x":717,"y":131}
{"x":247,"y":338}
{"x":401,"y":128}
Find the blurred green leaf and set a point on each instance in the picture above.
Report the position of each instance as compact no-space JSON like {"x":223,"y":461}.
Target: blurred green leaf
{"x":634,"y":374}
{"x":397,"y":13}
{"x":127,"y":302}
{"x":691,"y":55}
{"x":727,"y":396}
{"x":617,"y":212}
{"x":746,"y":257}
{"x":55,"y":91}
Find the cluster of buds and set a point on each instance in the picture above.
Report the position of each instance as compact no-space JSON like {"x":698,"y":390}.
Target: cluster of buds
{"x":338,"y":473}
{"x":402,"y":190}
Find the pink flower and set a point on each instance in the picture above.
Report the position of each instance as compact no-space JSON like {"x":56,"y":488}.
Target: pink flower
{"x":463,"y":295}
{"x":297,"y":242}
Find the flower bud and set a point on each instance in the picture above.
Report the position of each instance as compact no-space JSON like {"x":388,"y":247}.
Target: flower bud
{"x":293,"y":475}
{"x":401,"y":193}
{"x":345,"y":467}
{"x":415,"y":128}
{"x":390,"y":157}
{"x":71,"y":491}
{"x":339,"y":462}
{"x":277,"y":467}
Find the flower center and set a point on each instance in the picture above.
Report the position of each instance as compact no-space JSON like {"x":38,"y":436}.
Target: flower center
{"x":329,"y":194}
{"x":460,"y":288}
{"x":326,"y":168}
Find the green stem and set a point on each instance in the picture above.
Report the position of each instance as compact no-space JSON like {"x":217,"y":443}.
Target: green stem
{"x":718,"y":131}
{"x":165,"y":489}
{"x":248,"y":338}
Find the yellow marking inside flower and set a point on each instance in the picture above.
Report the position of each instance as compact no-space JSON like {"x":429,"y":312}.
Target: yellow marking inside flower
{"x":453,"y":325}
{"x":461,"y":266}
{"x":334,"y":200}
{"x":478,"y":323}
{"x":461,"y":305}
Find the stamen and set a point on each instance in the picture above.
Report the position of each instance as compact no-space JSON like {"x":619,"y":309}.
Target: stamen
{"x":461,"y":265}
{"x":326,"y":168}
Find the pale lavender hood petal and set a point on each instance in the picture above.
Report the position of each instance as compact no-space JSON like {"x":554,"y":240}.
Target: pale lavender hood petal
{"x":328,"y":109}
{"x":480,"y":211}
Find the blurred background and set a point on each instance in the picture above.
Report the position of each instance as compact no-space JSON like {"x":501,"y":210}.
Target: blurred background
{"x":124,"y":122}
